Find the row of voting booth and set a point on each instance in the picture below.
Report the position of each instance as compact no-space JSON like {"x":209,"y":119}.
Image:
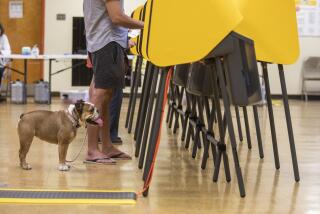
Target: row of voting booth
{"x":210,"y":51}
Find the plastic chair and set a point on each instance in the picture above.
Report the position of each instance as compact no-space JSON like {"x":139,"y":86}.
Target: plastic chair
{"x":310,"y":72}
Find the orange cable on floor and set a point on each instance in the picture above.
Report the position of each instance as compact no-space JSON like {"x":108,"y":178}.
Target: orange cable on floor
{"x":149,"y":178}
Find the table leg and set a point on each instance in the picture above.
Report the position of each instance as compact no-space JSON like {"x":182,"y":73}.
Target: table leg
{"x":50,"y":81}
{"x":25,"y":81}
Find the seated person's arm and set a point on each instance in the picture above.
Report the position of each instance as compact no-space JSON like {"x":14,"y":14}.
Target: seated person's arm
{"x":6,"y":46}
{"x":118,"y":17}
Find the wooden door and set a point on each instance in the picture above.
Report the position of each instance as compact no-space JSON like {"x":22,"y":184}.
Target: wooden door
{"x":26,"y":31}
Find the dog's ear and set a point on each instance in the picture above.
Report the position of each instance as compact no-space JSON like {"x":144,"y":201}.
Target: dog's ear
{"x":79,"y":107}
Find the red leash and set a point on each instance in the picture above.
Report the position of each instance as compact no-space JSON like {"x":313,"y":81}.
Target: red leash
{"x":149,"y":178}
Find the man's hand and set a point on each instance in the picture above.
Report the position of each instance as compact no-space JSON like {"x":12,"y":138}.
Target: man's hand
{"x":118,"y":17}
{"x":131,"y":43}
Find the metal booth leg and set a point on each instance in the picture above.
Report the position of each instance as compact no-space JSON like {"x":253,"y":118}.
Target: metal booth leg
{"x":154,"y":74}
{"x":271,"y":117}
{"x":170,"y":101}
{"x":186,"y":117}
{"x":211,"y":115}
{"x":257,"y":123}
{"x":230,"y":127}
{"x":174,"y":94}
{"x":192,"y":117}
{"x":289,"y":123}
{"x":239,"y":123}
{"x":156,"y":122}
{"x":220,"y":145}
{"x":198,"y":128}
{"x":133,"y":94}
{"x":143,"y":109}
{"x":143,"y":102}
{"x":134,"y":97}
{"x":246,"y":122}
{"x":179,"y":107}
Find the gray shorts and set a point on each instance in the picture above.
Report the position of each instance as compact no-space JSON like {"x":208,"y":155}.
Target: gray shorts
{"x":109,"y":66}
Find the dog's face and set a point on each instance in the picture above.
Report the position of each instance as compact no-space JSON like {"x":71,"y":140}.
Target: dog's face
{"x":87,"y":113}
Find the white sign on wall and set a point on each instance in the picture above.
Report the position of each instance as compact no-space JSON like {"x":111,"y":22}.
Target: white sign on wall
{"x":15,"y":9}
{"x":308,"y":17}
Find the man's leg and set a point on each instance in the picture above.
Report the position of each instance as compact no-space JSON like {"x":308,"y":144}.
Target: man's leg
{"x":100,"y":98}
{"x":108,"y":73}
{"x":115,"y":109}
{"x":107,"y":147}
{"x":104,"y":130}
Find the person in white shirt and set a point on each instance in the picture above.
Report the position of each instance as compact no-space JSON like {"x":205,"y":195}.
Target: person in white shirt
{"x":4,"y":50}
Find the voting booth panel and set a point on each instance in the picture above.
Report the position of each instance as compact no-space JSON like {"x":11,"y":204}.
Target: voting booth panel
{"x":200,"y":80}
{"x":241,"y":69}
{"x":188,"y":36}
{"x":272,"y":25}
{"x":180,"y":75}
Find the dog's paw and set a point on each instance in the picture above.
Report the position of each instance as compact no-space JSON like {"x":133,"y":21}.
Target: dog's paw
{"x":63,"y":167}
{"x":26,"y":166}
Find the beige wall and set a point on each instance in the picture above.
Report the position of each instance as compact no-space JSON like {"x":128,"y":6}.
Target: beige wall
{"x":58,"y":39}
{"x":309,"y":46}
{"x":58,"y":35}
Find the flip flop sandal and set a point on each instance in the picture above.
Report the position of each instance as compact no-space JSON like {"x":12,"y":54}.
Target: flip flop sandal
{"x":121,"y":156}
{"x":97,"y":161}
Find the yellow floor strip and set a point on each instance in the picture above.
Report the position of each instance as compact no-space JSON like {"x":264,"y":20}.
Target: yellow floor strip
{"x":38,"y":196}
{"x":66,"y":201}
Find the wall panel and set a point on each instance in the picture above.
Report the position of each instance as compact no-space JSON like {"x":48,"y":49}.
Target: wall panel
{"x":26,"y":31}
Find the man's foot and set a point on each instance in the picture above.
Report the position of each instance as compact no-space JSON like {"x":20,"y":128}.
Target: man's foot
{"x":99,"y":158}
{"x":116,"y":140}
{"x":102,"y":161}
{"x":116,"y":154}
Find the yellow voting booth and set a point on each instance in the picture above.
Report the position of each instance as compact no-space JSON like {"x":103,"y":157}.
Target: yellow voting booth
{"x":241,"y":32}
{"x":136,"y":14}
{"x":178,"y":32}
{"x":272,"y":24}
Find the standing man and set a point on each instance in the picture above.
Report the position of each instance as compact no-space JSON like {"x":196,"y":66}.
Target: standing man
{"x":107,"y":37}
{"x":115,"y":109}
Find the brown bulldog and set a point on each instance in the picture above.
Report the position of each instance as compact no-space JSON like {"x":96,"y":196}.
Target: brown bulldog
{"x":55,"y":127}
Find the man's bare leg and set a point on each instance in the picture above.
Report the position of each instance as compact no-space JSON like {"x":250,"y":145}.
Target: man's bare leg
{"x":99,"y":97}
{"x":107,"y":146}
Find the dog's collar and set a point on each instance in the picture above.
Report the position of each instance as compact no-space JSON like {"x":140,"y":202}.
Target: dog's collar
{"x":74,"y":121}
